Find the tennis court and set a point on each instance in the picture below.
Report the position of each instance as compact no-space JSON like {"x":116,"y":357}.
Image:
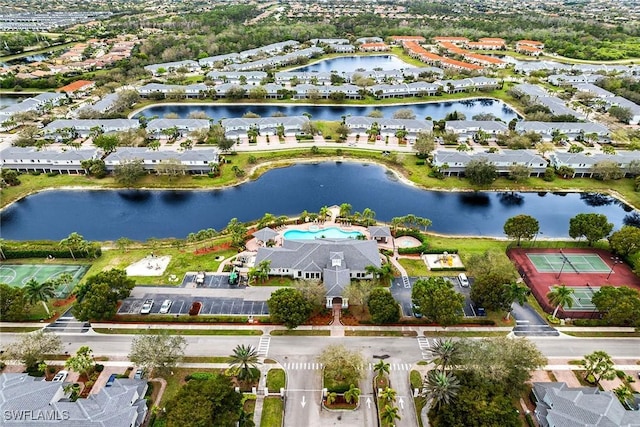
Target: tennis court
{"x":581,"y":298}
{"x":568,"y":262}
{"x":19,"y":274}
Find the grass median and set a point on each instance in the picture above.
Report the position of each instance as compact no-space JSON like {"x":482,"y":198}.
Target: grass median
{"x":145,"y":331}
{"x":272,"y":412}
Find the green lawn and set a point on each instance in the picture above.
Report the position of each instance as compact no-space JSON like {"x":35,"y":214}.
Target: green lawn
{"x":414,"y":267}
{"x":272,"y":412}
{"x":300,"y":332}
{"x":179,"y":331}
{"x":416,"y":382}
{"x":275,"y":380}
{"x":380,"y":333}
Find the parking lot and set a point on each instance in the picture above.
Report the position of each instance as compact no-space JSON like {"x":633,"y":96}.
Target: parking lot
{"x":218,"y":281}
{"x":402,"y":294}
{"x":210,"y":305}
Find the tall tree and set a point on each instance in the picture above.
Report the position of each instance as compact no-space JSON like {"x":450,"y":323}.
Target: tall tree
{"x":521,"y":227}
{"x":341,"y":364}
{"x":445,"y":353}
{"x":36,"y":292}
{"x":517,"y":292}
{"x":97,"y":298}
{"x":245,"y":360}
{"x":12,"y":303}
{"x":481,"y":172}
{"x":128,"y":173}
{"x":388,"y":395}
{"x":289,"y":306}
{"x":438,"y":300}
{"x":620,"y":306}
{"x":158,"y":352}
{"x":598,"y":366}
{"x":591,"y":226}
{"x":440,"y":387}
{"x":382,"y":306}
{"x":210,"y":402}
{"x":381,"y":368}
{"x":32,"y":347}
{"x":389,"y":415}
{"x":425,"y":144}
{"x":625,"y":241}
{"x":74,"y":243}
{"x":561,"y":297}
{"x":82,"y":362}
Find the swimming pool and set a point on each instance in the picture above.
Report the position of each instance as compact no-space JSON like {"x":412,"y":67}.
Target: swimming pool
{"x":323,"y":233}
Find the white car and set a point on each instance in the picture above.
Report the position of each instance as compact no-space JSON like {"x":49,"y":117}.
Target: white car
{"x":60,"y":377}
{"x":146,"y":307}
{"x":165,"y":307}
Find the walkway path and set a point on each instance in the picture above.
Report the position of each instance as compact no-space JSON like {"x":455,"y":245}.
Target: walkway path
{"x":337,"y":328}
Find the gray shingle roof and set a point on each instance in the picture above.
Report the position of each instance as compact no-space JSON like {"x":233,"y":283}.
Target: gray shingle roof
{"x":43,"y":404}
{"x":315,"y":256}
{"x":561,"y":406}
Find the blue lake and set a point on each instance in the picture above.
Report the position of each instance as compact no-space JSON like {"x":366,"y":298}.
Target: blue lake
{"x":353,"y":63}
{"x":5,"y":101}
{"x":139,"y":215}
{"x":435,"y":110}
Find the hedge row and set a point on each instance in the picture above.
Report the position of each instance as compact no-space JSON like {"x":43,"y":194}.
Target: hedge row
{"x":448,"y":269}
{"x":44,"y":249}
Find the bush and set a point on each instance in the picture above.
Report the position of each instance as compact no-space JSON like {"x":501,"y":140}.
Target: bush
{"x":52,"y":174}
{"x":99,"y":367}
{"x":420,"y":162}
{"x":200,"y":376}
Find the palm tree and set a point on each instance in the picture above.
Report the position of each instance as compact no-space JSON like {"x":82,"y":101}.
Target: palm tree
{"x":345,"y":210}
{"x":624,"y":394}
{"x":246,"y":419}
{"x":445,"y":353}
{"x":331,"y":397}
{"x":352,"y":395}
{"x":75,"y":242}
{"x":389,"y":415}
{"x":323,"y":213}
{"x":39,"y":292}
{"x":245,"y":359}
{"x":560,"y":296}
{"x":517,"y":293}
{"x":441,"y":387}
{"x":368,"y":216}
{"x":381,"y":368}
{"x":388,"y":395}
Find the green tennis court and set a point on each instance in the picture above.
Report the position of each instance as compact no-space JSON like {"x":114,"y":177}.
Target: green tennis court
{"x":581,"y":298}
{"x":579,"y":263}
{"x":19,"y":274}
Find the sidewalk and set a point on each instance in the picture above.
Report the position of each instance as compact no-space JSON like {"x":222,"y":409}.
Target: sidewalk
{"x":267,"y":328}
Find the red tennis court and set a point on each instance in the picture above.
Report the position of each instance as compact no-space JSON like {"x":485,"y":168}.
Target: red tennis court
{"x":585,"y":269}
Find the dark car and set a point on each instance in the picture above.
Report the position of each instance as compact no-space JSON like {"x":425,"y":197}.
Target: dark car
{"x":195,"y":308}
{"x":111,"y":380}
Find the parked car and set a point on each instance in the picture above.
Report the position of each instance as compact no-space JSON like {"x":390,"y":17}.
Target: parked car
{"x":60,"y":377}
{"x":195,"y":308}
{"x":166,"y":306}
{"x":139,"y":374}
{"x":200,"y":278}
{"x":146,"y":307}
{"x":416,"y":311}
{"x":111,"y":380}
{"x":464,"y":281}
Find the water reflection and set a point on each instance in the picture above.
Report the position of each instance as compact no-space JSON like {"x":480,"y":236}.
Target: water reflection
{"x":596,"y":199}
{"x":511,"y":199}
{"x":138,"y":196}
{"x":475,"y":199}
{"x":632,"y":220}
{"x":176,"y":196}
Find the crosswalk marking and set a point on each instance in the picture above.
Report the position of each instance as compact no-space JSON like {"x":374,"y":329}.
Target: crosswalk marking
{"x":302,"y":366}
{"x":263,"y":345}
{"x":423,"y":343}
